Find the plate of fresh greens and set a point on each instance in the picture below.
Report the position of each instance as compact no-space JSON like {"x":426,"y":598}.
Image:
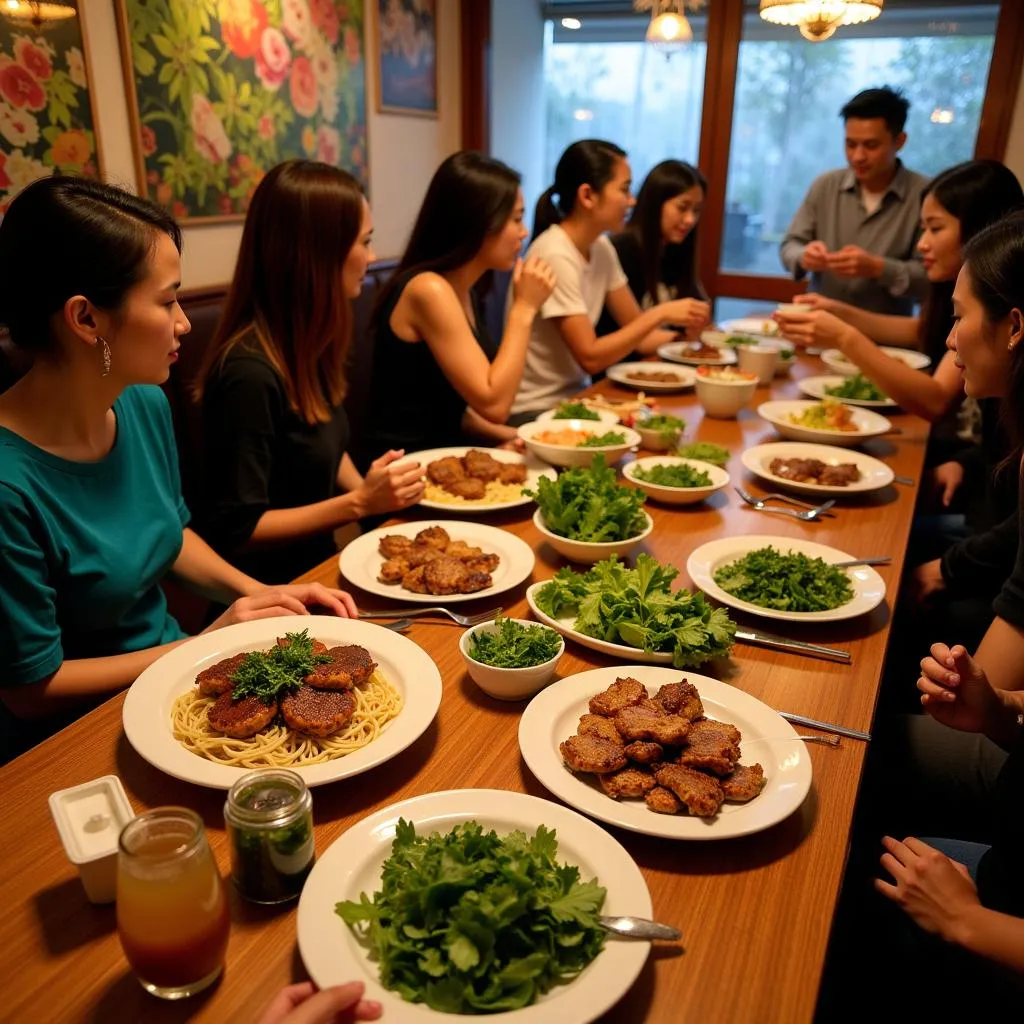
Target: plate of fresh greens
{"x":676,"y":481}
{"x":705,"y":451}
{"x":576,"y":410}
{"x":853,"y":390}
{"x":373,"y":909}
{"x":633,"y":613}
{"x":784,"y":578}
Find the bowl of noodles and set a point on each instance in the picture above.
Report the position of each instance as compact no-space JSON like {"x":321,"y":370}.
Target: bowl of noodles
{"x":371,"y":693}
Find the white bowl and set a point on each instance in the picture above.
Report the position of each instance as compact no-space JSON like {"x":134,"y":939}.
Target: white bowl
{"x":655,"y":440}
{"x":609,"y":418}
{"x":723,"y":398}
{"x":869,"y":424}
{"x":762,"y":360}
{"x":676,"y":495}
{"x":589,"y":552}
{"x":508,"y":683}
{"x":566,"y":455}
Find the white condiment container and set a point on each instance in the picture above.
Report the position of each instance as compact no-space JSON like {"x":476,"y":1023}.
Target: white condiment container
{"x":89,"y":819}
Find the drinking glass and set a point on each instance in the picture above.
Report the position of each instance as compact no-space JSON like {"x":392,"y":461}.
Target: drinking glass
{"x":172,"y":913}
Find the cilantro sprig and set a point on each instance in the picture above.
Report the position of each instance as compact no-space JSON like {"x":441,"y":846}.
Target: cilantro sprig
{"x":790,"y":582}
{"x":268,"y":674}
{"x":513,"y":645}
{"x":600,"y":440}
{"x":859,"y":388}
{"x":575,"y":411}
{"x":474,"y":922}
{"x":680,"y":474}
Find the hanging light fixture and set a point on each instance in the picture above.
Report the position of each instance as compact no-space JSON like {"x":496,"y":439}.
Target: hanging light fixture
{"x":669,"y":30}
{"x":37,"y":15}
{"x":819,"y":19}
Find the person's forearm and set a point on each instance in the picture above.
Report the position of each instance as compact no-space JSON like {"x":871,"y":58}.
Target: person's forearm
{"x":349,"y":478}
{"x":997,"y":937}
{"x":611,"y":348}
{"x":505,"y":373}
{"x":79,"y":680}
{"x":281,"y":525}
{"x":790,"y":252}
{"x":885,"y":329}
{"x":475,"y":426}
{"x":202,"y":570}
{"x":658,"y":337}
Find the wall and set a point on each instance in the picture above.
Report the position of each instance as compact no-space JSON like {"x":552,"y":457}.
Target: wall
{"x":404,"y":151}
{"x":1015,"y":143}
{"x":517,"y":92}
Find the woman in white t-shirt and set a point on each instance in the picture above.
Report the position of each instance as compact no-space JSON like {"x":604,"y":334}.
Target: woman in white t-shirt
{"x":592,"y":186}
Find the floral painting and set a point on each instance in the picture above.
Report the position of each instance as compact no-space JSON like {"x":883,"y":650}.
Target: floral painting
{"x":407,"y":56}
{"x":223,"y":90}
{"x":46,"y":120}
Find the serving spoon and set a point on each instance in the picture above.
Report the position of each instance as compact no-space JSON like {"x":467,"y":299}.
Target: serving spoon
{"x":639,"y":928}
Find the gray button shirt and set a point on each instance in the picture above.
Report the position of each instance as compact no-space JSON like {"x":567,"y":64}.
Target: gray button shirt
{"x":834,"y":213}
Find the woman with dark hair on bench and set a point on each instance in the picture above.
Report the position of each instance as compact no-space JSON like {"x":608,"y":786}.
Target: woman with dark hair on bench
{"x":278,"y":477}
{"x":91,"y":513}
{"x":432,"y":377}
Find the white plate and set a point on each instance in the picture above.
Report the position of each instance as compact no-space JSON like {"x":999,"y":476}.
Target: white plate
{"x":604,"y":417}
{"x":360,"y":561}
{"x":868,"y":586}
{"x":756,"y":327}
{"x":676,"y":352}
{"x":353,"y":862}
{"x":564,"y":625}
{"x":874,"y":475}
{"x":869,"y":424}
{"x":767,"y":739}
{"x":815,"y":387}
{"x":535,"y":469}
{"x":676,"y":495}
{"x":146,"y":714}
{"x":620,"y":374}
{"x":835,"y":359}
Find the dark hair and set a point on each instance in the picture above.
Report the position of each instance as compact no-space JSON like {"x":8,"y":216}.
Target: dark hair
{"x":303,"y":220}
{"x":888,"y":104}
{"x":995,"y":259}
{"x":470,"y":197}
{"x":64,"y":236}
{"x":586,"y":162}
{"x":977,"y":193}
{"x":673,"y":265}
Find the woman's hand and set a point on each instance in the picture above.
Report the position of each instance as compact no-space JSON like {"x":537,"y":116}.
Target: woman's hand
{"x":387,"y":486}
{"x":693,"y":314}
{"x":925,"y":582}
{"x":302,"y":1004}
{"x":946,"y":481}
{"x":933,"y":889}
{"x":513,"y":444}
{"x":290,"y":599}
{"x":812,"y":300}
{"x":816,"y":328}
{"x":532,"y":282}
{"x":955,"y":691}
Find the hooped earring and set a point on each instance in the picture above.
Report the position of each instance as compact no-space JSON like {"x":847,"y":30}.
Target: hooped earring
{"x":105,"y":356}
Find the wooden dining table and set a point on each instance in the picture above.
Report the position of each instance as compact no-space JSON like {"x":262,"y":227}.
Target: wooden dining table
{"x":756,"y":911}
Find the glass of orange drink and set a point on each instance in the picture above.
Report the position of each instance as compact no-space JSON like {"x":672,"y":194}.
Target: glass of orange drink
{"x":172,"y":912}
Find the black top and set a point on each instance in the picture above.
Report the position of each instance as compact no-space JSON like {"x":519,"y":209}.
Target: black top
{"x":413,"y":405}
{"x":262,"y":455}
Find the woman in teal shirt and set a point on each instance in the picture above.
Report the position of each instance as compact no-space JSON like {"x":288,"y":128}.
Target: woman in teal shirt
{"x":91,"y":514}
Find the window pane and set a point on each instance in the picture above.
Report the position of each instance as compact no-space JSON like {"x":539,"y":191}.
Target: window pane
{"x":786,"y":129}
{"x":727,"y":309}
{"x":604,"y":81}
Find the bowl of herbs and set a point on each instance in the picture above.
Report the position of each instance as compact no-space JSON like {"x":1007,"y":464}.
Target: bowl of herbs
{"x":676,"y":481}
{"x":661,"y":432}
{"x":511,"y":659}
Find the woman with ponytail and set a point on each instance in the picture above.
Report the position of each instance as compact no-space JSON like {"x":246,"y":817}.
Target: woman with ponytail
{"x":590,"y":197}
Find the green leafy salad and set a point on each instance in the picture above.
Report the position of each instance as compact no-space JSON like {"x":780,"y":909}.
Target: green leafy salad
{"x":575,"y":411}
{"x":513,"y":645}
{"x":474,"y":922}
{"x":635,"y":607}
{"x":265,"y":674}
{"x":859,"y":388}
{"x":791,"y":582}
{"x":586,"y":503}
{"x":600,"y":440}
{"x":704,"y":451}
{"x":736,"y":340}
{"x":673,"y":475}
{"x":667,"y":427}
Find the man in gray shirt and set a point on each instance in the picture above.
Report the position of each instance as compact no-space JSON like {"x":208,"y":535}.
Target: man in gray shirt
{"x":856,"y":231}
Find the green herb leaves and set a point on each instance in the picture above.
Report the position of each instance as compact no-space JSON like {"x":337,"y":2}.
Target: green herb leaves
{"x":704,"y":451}
{"x":678,"y":474}
{"x":586,"y":503}
{"x":471,"y":922}
{"x":791,"y":582}
{"x":636,"y":607}
{"x":513,"y":645}
{"x":667,"y":427}
{"x":575,"y":411}
{"x":857,"y":387}
{"x":601,"y":440}
{"x":265,"y":674}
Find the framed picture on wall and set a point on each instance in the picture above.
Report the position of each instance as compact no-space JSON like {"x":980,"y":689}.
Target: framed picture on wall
{"x":220,"y":91}
{"x":47,"y":114}
{"x":406,"y":43}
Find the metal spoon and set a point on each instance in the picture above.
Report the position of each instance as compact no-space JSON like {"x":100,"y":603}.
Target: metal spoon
{"x":400,"y":626}
{"x":639,"y":928}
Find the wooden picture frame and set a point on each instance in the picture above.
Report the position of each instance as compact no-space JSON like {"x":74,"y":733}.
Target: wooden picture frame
{"x":405,"y":44}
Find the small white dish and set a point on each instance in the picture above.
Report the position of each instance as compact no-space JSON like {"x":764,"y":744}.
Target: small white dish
{"x":659,"y":440}
{"x":777,"y":413}
{"x":676,"y":495}
{"x":874,"y":474}
{"x":631,"y":375}
{"x":817,"y":387}
{"x":588,"y":552}
{"x":722,"y":396}
{"x":569,"y":455}
{"x":603,"y":416}
{"x":89,"y":819}
{"x":508,"y":683}
{"x":682,"y":352}
{"x":835,"y":359}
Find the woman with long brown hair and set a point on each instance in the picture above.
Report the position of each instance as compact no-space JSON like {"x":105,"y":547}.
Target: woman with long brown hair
{"x":278,"y":476}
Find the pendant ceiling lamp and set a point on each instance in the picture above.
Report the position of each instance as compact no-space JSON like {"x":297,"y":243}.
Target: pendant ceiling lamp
{"x":669,"y":30}
{"x":36,"y":15}
{"x":819,"y":19}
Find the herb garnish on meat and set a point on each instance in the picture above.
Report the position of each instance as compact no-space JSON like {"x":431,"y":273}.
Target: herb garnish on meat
{"x":268,"y":674}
